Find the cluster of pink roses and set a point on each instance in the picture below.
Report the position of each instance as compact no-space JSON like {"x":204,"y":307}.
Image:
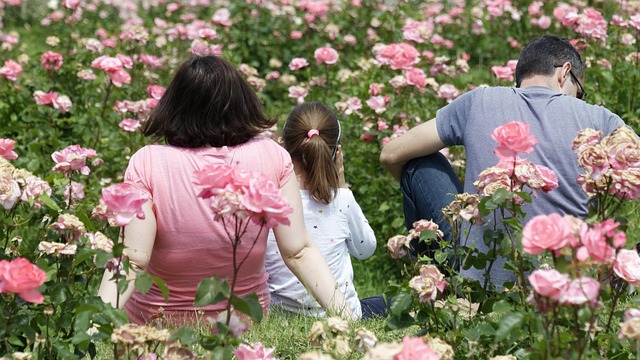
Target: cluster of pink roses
{"x":398,"y":246}
{"x":237,"y":192}
{"x":11,"y":70}
{"x":21,"y":277}
{"x":16,"y":183}
{"x":59,"y":102}
{"x":51,"y":60}
{"x":600,"y":243}
{"x":140,"y":108}
{"x":115,"y":67}
{"x":512,"y":172}
{"x":612,"y":164}
{"x":403,"y":56}
{"x":505,"y":72}
{"x":73,"y":158}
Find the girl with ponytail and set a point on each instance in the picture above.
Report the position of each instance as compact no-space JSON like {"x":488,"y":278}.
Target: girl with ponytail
{"x":311,"y":135}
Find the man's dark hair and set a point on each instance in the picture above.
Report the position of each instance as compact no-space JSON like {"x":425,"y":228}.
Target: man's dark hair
{"x":208,"y":102}
{"x":542,"y":55}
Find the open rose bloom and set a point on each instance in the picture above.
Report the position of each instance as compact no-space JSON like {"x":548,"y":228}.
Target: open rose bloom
{"x":237,"y":192}
{"x":21,"y":277}
{"x":612,"y":165}
{"x":123,"y":202}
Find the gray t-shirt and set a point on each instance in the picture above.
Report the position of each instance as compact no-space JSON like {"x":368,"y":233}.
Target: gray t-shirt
{"x":554,"y":119}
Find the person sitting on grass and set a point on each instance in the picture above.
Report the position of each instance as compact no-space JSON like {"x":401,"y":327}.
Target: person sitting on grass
{"x":311,"y":135}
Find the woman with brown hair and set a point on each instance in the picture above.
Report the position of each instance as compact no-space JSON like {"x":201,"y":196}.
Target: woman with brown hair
{"x":209,"y":115}
{"x":333,"y":217}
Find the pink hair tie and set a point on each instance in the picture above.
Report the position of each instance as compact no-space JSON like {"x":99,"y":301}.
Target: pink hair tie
{"x":311,"y":133}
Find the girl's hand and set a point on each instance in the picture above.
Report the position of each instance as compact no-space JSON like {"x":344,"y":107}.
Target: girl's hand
{"x":340,"y":165}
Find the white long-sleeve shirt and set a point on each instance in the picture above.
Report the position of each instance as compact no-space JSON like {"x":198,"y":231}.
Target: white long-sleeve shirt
{"x":339,"y":230}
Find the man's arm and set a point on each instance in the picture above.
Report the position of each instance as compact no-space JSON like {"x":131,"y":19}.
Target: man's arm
{"x":420,"y":141}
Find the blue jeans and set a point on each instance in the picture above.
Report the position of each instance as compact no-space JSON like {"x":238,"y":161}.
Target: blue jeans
{"x":374,"y":306}
{"x":428,"y":184}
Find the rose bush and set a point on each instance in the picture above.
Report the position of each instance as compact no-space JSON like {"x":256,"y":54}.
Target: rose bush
{"x":79,"y":77}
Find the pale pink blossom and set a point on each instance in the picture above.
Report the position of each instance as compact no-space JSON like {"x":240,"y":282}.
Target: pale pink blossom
{"x":326,"y":55}
{"x":298,"y":63}
{"x":70,"y":226}
{"x":56,"y":248}
{"x":155,"y":91}
{"x":255,"y":351}
{"x":298,"y":93}
{"x":295,"y":34}
{"x":9,"y":192}
{"x":428,"y":283}
{"x":594,"y":246}
{"x":627,"y":266}
{"x":414,"y":348}
{"x":448,"y":92}
{"x":397,"y":246}
{"x":6,"y":149}
{"x":21,"y":277}
{"x":11,"y":70}
{"x":34,"y":187}
{"x":153,"y":61}
{"x":123,"y":202}
{"x":72,"y":158}
{"x":51,"y":60}
{"x":398,"y":81}
{"x":222,"y":17}
{"x":75,"y":190}
{"x":549,"y":283}
{"x":581,"y":291}
{"x":129,"y":125}
{"x":377,"y":104}
{"x":62,"y":103}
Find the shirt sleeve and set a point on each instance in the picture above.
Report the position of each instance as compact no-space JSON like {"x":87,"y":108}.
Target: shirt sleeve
{"x":286,"y":165}
{"x":451,"y":120}
{"x":362,"y":240}
{"x":139,"y":170}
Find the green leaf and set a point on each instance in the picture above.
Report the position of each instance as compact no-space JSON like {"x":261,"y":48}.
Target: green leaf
{"x":164,"y":289}
{"x":85,"y":220}
{"x":401,"y":322}
{"x":59,"y":294}
{"x":508,"y":324}
{"x":211,"y":291}
{"x":144,"y":282}
{"x":82,"y":255}
{"x":249,"y":305}
{"x":48,"y":202}
{"x":501,"y":307}
{"x":440,"y":256}
{"x":401,"y":303}
{"x":185,"y":335}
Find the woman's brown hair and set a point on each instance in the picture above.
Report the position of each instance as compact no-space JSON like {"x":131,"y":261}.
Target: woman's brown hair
{"x":208,"y":102}
{"x":315,"y":151}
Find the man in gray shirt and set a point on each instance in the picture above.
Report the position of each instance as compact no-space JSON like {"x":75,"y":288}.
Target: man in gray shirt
{"x":547,"y":96}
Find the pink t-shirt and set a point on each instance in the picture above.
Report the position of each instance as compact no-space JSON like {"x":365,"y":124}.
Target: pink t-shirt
{"x":190,"y":245}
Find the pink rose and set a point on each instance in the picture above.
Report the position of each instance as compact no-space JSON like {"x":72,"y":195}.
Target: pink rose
{"x":213,"y":179}
{"x":326,"y":55}
{"x":23,"y":278}
{"x":34,"y":187}
{"x":502,"y":72}
{"x":123,"y":202}
{"x":546,"y":232}
{"x":417,"y":78}
{"x":6,"y":149}
{"x":264,"y":201}
{"x":51,"y":60}
{"x":298,"y":63}
{"x":397,"y":246}
{"x":9,"y":192}
{"x":398,"y":56}
{"x":595,"y":246}
{"x":513,"y":138}
{"x":129,"y":125}
{"x":414,"y":348}
{"x":43,"y":98}
{"x":298,"y":93}
{"x":549,"y":283}
{"x":580,"y":291}
{"x":295,"y":34}
{"x":428,"y":283}
{"x":627,"y":266}
{"x":155,"y":91}
{"x":120,"y":77}
{"x":377,"y":104}
{"x":255,"y":351}
{"x":152,"y":61}
{"x":11,"y":70}
{"x":72,"y":158}
{"x":222,"y":17}
{"x":62,"y":103}
{"x":448,"y":92}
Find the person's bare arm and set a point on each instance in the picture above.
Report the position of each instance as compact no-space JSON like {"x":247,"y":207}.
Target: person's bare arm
{"x":139,"y":238}
{"x":420,"y":141}
{"x":303,"y":258}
